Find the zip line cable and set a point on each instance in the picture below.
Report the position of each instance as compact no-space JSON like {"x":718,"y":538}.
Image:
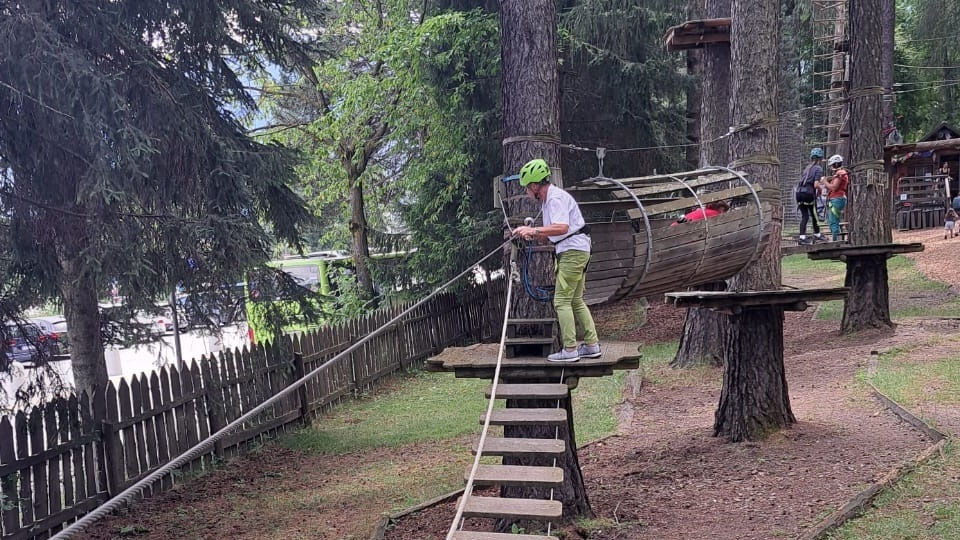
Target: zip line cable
{"x":127,"y":495}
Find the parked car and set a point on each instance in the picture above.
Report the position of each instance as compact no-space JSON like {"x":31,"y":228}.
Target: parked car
{"x":20,"y":343}
{"x":53,"y":332}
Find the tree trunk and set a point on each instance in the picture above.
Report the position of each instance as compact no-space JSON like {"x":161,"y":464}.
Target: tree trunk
{"x":358,"y":235}
{"x":531,"y":129}
{"x":531,"y":121}
{"x":755,"y":400}
{"x":888,"y":24}
{"x":866,"y":277}
{"x":78,"y":289}
{"x":701,"y":342}
{"x":868,"y":304}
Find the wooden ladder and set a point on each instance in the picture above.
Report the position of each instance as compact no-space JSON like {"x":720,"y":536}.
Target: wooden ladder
{"x":530,"y":337}
{"x":518,"y":475}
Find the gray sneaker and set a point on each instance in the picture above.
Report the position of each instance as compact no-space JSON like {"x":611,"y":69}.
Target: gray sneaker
{"x":564,"y":356}
{"x":590,"y":351}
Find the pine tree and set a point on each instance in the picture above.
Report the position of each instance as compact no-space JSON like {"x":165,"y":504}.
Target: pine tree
{"x":125,"y":159}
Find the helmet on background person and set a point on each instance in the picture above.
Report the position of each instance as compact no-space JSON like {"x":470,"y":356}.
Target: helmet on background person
{"x":816,"y":153}
{"x":835,"y":160}
{"x":533,"y":172}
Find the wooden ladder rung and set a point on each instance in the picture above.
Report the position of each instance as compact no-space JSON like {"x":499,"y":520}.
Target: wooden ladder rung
{"x":528,"y":340}
{"x":526,"y":417}
{"x":516,"y":446}
{"x":530,"y":391}
{"x":516,"y":475}
{"x":474,"y":535}
{"x":507,"y":508}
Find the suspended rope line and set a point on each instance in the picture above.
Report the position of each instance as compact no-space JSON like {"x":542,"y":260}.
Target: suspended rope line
{"x":127,"y":495}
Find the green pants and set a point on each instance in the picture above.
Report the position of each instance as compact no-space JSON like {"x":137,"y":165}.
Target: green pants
{"x":572,"y":312}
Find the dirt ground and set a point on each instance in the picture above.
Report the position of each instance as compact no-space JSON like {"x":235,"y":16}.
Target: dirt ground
{"x":663,"y":475}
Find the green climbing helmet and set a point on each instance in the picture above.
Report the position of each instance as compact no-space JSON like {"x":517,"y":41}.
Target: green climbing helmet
{"x":533,"y":172}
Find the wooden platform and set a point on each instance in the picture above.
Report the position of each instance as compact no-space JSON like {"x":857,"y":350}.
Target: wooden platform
{"x":735,"y":302}
{"x":479,"y":361}
{"x":840,"y":253}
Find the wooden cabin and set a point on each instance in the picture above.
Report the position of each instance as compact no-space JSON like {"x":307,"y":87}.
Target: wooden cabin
{"x":921,"y":190}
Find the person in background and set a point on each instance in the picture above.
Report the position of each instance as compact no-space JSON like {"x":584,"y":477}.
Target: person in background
{"x":950,"y":224}
{"x":836,"y":185}
{"x":565,"y":228}
{"x":806,"y":196}
{"x":709,"y":210}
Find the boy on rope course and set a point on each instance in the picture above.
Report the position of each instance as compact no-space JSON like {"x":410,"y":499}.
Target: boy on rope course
{"x":837,"y":193}
{"x":565,"y":228}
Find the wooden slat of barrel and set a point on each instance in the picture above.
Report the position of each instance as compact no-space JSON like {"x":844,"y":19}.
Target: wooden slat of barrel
{"x":689,"y":202}
{"x":645,"y":186}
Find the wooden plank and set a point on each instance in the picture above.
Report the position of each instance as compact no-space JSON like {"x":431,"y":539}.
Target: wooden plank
{"x":516,"y":475}
{"x":54,"y":444}
{"x":92,"y":413}
{"x":690,"y":203}
{"x":10,"y":511}
{"x":41,"y":504}
{"x":169,"y":414}
{"x":526,"y":417}
{"x":530,"y":391}
{"x":75,"y":473}
{"x":515,"y":446}
{"x":136,"y":394}
{"x":162,"y":451}
{"x":475,"y":535}
{"x":501,"y":507}
{"x":22,"y":433}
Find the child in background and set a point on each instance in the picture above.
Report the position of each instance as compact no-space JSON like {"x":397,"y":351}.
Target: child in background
{"x":949,"y":226}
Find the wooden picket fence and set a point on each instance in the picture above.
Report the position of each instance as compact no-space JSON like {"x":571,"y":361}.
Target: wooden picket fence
{"x":60,"y":461}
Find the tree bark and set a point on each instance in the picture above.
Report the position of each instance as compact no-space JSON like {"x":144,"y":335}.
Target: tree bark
{"x":701,"y":342}
{"x":531,"y":129}
{"x":359,"y":244}
{"x":867,"y":277}
{"x":868,"y":196}
{"x":754,"y":400}
{"x":888,"y":23}
{"x":531,"y":120}
{"x":78,"y":289}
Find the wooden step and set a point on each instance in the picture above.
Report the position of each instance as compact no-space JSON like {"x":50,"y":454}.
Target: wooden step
{"x":515,"y":446}
{"x":526,"y":417}
{"x":506,"y":508}
{"x":530,"y":391}
{"x":529,"y":340}
{"x":516,"y":475}
{"x":474,"y":535}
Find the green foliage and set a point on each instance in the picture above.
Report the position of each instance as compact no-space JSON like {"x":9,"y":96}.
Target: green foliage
{"x":395,"y":417}
{"x":388,"y":121}
{"x":122,"y":155}
{"x":621,"y":88}
{"x":928,"y":66}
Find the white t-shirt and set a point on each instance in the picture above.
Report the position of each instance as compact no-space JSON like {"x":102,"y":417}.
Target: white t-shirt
{"x":560,"y":207}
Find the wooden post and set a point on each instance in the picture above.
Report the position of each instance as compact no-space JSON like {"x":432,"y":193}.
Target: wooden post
{"x":300,"y":372}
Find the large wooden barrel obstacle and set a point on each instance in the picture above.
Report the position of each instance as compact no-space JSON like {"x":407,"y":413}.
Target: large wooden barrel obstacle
{"x":639,"y":249}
